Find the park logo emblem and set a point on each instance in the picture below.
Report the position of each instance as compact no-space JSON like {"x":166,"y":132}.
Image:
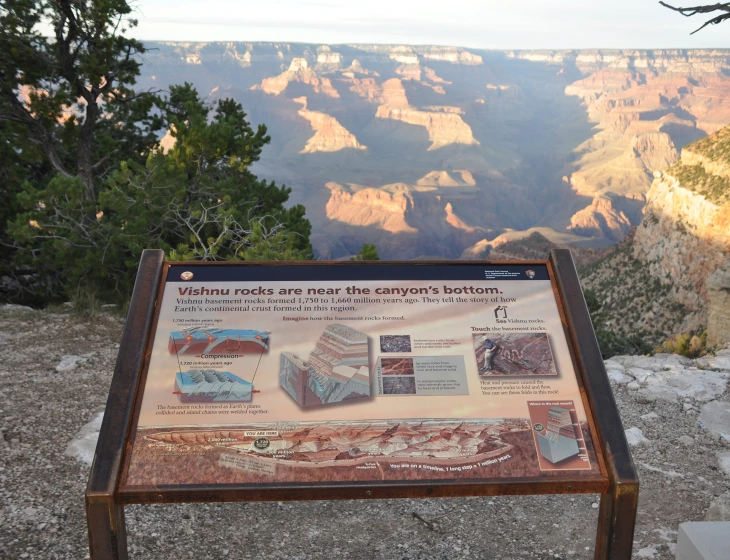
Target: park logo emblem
{"x":187,"y":275}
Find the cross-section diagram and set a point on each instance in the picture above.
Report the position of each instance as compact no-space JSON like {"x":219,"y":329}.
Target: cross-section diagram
{"x":208,"y":385}
{"x":197,"y":340}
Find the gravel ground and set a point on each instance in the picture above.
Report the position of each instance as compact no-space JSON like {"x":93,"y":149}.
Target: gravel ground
{"x":41,"y":488}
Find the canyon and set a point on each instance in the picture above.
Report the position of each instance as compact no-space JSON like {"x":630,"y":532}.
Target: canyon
{"x":447,"y":152}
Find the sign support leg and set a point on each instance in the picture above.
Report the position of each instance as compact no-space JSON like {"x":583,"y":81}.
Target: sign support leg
{"x":616,"y":520}
{"x":107,"y":530}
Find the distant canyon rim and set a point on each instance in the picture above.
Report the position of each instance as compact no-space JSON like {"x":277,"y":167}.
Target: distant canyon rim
{"x":446,"y":152}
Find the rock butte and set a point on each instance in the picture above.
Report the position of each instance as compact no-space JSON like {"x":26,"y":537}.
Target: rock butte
{"x":443,"y":128}
{"x":330,"y":135}
{"x":299,"y":71}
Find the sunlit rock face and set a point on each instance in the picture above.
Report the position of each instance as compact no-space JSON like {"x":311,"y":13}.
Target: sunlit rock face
{"x":298,"y":72}
{"x":330,"y":135}
{"x":684,"y":237}
{"x":672,"y":273}
{"x":444,"y":127}
{"x":600,"y":219}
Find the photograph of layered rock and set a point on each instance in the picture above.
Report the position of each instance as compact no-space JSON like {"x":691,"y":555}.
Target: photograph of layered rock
{"x":338,"y":369}
{"x":399,"y":385}
{"x":208,"y":385}
{"x":397,"y":366}
{"x":395,"y":343}
{"x":414,"y":449}
{"x":517,"y":354}
{"x":197,"y":341}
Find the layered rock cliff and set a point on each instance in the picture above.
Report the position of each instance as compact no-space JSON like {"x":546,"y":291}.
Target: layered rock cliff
{"x":673,"y":270}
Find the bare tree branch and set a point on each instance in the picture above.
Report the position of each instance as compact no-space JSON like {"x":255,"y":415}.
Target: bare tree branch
{"x":704,"y":9}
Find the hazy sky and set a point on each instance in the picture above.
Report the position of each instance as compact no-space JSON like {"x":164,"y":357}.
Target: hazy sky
{"x":507,"y":24}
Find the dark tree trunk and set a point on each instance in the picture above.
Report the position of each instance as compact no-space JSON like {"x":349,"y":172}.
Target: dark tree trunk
{"x":85,"y":150}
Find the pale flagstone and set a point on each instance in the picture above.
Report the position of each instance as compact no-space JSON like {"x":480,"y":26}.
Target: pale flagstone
{"x":696,"y":384}
{"x":715,"y":418}
{"x":618,"y":376}
{"x":83,"y":444}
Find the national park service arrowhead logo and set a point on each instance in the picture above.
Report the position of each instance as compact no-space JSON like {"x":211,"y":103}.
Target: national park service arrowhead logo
{"x":530,"y":274}
{"x":187,"y":275}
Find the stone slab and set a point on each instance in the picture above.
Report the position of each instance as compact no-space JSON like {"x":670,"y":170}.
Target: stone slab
{"x":704,"y":540}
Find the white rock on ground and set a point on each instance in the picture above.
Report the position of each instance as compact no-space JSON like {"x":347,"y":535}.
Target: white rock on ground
{"x":83,"y":444}
{"x":69,"y":362}
{"x":723,"y":459}
{"x":721,"y":360}
{"x":635,"y":437}
{"x":719,"y":508}
{"x":15,"y":307}
{"x":715,"y":418}
{"x":669,"y":377}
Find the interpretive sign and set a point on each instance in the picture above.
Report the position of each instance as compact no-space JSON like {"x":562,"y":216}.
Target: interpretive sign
{"x":270,"y":381}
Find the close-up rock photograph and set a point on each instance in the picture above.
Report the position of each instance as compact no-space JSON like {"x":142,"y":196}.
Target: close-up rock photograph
{"x":405,"y":280}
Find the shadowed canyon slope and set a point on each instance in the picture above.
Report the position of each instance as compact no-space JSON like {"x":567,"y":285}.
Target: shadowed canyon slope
{"x":438,"y":151}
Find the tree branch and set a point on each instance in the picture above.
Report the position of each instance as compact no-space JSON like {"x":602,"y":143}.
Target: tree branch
{"x":705,"y":9}
{"x":103,"y":160}
{"x":39,"y":135}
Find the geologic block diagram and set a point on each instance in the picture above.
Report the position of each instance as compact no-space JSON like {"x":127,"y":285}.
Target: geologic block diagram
{"x":338,"y":369}
{"x":559,"y":441}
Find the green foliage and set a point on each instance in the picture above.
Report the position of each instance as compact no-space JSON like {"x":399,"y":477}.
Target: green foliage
{"x":368,"y":252}
{"x":198,"y":201}
{"x":67,"y":111}
{"x":612,"y":343}
{"x":86,"y":187}
{"x":76,"y":103}
{"x":713,"y":186}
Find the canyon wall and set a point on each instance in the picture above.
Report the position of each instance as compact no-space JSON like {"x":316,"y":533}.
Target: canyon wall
{"x":560,"y":142}
{"x":675,"y":268}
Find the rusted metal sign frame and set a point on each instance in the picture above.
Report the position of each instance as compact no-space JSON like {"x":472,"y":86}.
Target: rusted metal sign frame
{"x":618,"y":482}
